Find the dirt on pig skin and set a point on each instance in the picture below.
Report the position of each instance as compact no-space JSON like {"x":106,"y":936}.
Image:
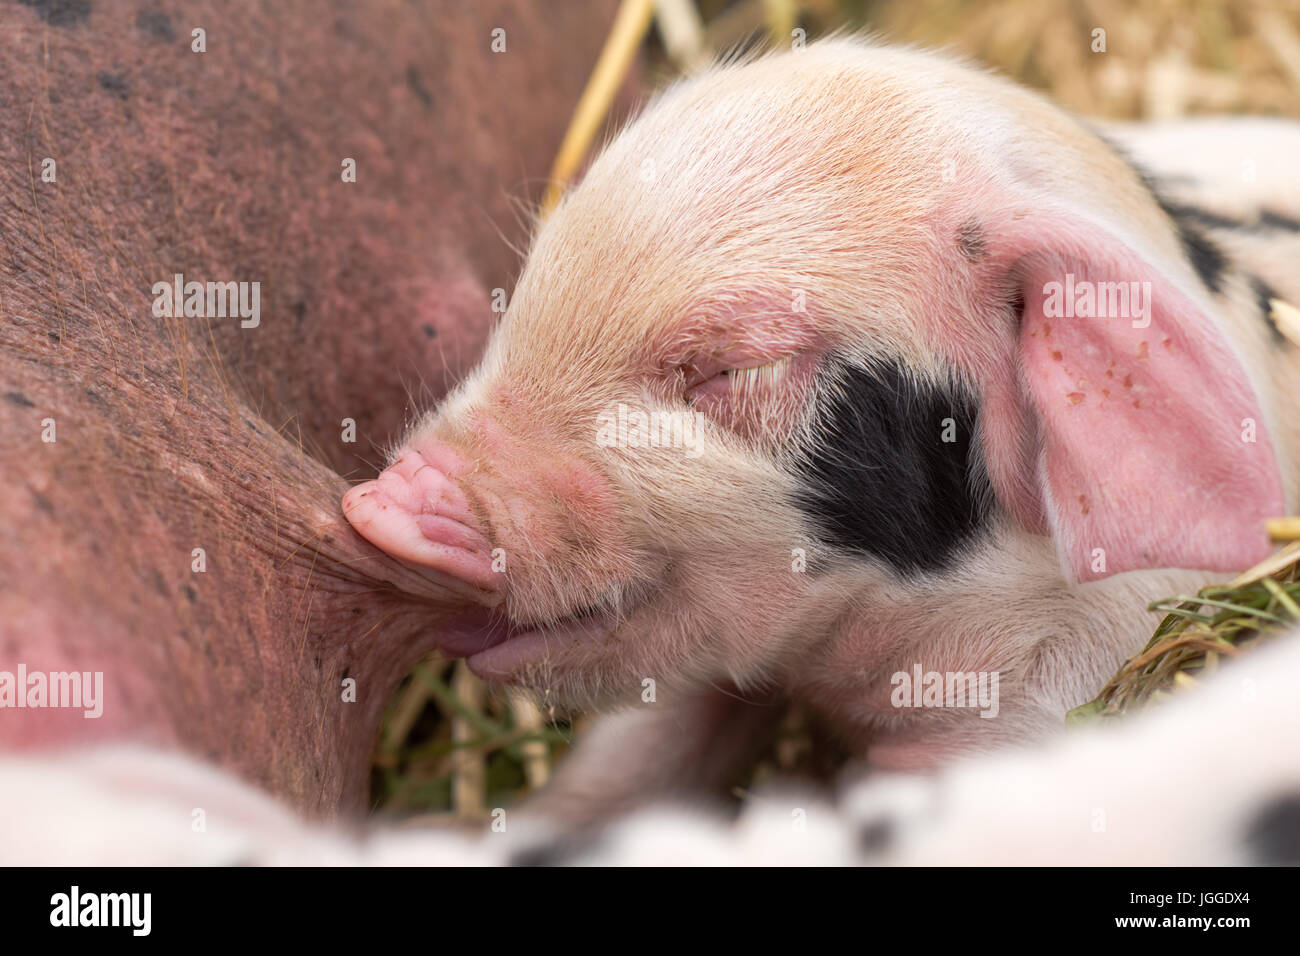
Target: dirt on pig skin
{"x":176,"y":434}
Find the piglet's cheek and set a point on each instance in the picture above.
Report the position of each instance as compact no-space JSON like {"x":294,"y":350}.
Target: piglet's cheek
{"x":575,"y":516}
{"x":530,"y":481}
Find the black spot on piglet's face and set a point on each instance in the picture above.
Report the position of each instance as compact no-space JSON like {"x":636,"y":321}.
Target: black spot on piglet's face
{"x":894,"y":473}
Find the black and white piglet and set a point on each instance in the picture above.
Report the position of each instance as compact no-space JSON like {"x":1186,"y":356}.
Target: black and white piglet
{"x":844,"y":372}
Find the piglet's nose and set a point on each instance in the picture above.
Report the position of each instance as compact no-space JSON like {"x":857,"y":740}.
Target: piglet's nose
{"x":416,"y":513}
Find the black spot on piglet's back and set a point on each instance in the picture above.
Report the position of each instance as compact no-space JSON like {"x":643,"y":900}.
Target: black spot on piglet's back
{"x":1206,"y":258}
{"x":881,"y":480}
{"x":1271,"y":219}
{"x":1264,"y":296}
{"x":1274,"y":835}
{"x":1189,"y":222}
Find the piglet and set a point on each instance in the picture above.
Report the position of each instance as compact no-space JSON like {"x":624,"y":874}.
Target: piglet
{"x":855,"y":377}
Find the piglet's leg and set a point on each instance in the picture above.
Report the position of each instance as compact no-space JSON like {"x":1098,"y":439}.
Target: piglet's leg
{"x":670,"y":751}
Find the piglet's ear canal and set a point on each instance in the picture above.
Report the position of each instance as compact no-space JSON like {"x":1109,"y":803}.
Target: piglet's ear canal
{"x":1152,"y":447}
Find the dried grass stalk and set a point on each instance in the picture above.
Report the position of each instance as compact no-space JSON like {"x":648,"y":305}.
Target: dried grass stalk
{"x":1198,"y":632}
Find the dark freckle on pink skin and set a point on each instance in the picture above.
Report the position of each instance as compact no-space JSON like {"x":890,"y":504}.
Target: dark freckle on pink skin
{"x":1083,"y":503}
{"x":1137,"y":403}
{"x":1047,"y":330}
{"x":1075,"y":397}
{"x":1057,"y":356}
{"x":1142,"y":350}
{"x":1128,"y":381}
{"x":1167,"y":343}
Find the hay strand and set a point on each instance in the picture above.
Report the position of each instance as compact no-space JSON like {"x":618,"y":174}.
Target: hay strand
{"x":1198,"y":631}
{"x":630,"y":26}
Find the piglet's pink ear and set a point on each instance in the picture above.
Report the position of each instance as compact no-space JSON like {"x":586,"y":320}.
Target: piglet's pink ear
{"x":1154,"y":450}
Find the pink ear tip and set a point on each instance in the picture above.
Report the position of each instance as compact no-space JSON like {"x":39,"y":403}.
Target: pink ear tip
{"x":1228,"y":542}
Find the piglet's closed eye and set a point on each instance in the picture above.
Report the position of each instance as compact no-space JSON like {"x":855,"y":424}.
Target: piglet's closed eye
{"x":1155,"y":451}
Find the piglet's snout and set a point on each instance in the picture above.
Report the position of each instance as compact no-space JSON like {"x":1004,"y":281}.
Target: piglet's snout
{"x":416,"y":512}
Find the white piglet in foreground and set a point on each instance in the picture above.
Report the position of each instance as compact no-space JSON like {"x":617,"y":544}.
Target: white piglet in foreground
{"x":843,"y":367}
{"x":1212,"y":779}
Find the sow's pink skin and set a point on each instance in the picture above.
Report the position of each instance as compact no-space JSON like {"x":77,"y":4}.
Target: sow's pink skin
{"x":834,"y":280}
{"x":176,"y":434}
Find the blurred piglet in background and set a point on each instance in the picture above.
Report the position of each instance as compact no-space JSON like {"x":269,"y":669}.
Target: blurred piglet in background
{"x":845,"y":367}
